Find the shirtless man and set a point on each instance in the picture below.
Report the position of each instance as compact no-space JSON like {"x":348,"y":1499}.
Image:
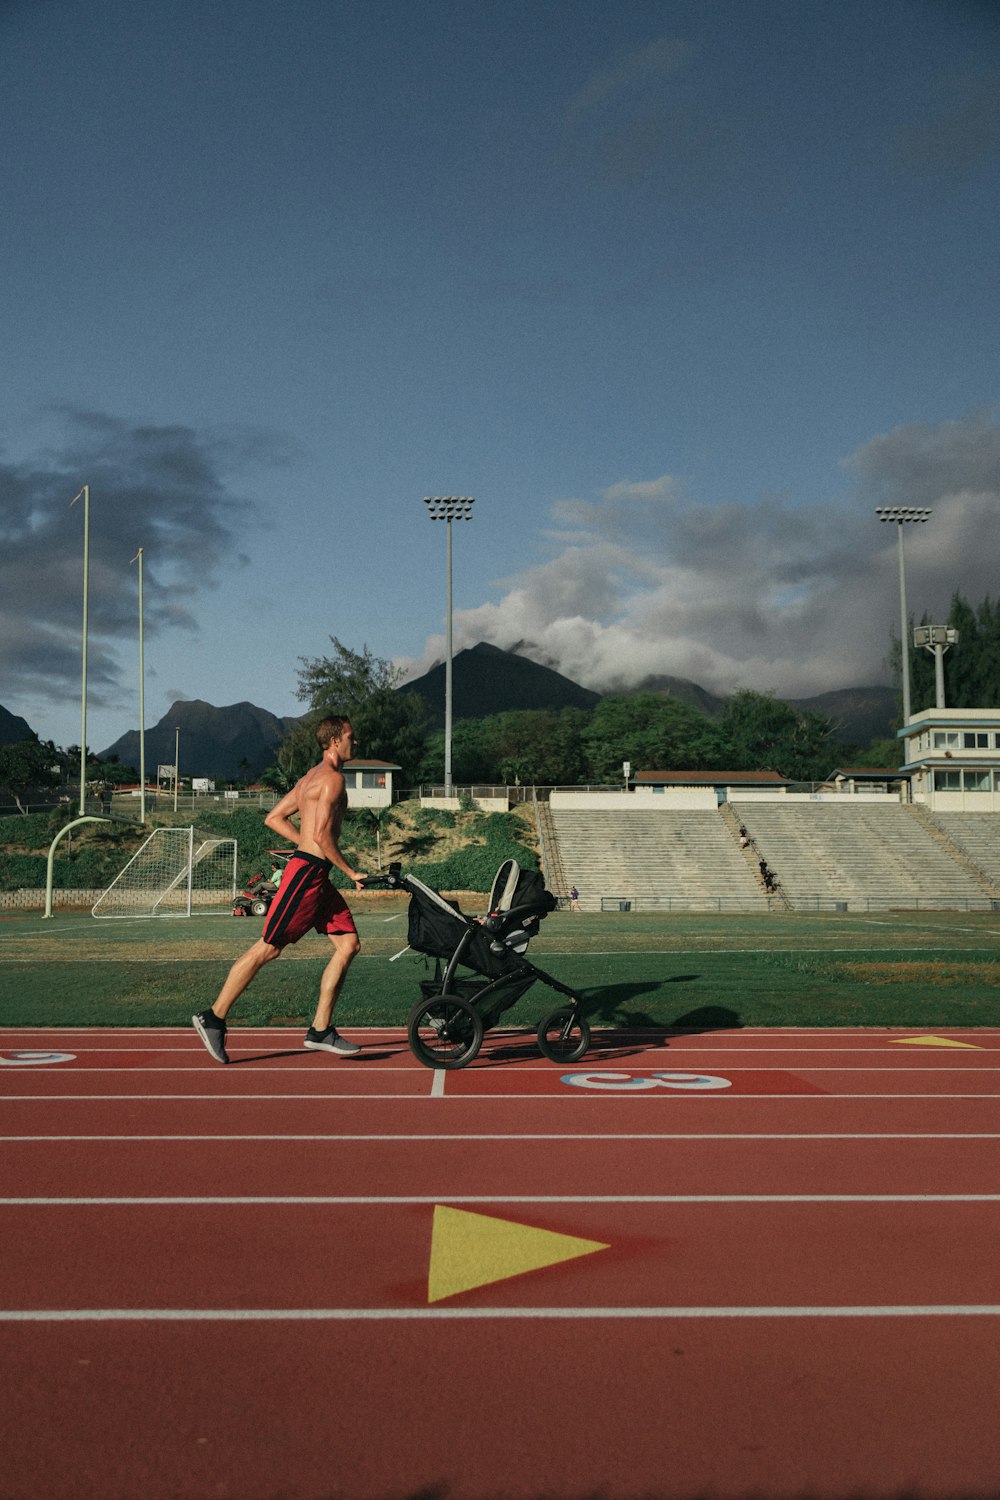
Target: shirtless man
{"x":306,"y":901}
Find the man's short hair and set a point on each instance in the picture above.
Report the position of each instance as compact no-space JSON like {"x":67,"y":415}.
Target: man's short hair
{"x":330,"y":729}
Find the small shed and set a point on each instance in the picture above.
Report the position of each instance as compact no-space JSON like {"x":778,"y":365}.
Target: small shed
{"x":370,"y":783}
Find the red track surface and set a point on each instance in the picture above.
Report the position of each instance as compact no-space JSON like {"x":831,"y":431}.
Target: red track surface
{"x":214,"y":1281}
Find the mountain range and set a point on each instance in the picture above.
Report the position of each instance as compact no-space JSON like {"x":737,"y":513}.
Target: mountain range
{"x":220,"y":743}
{"x":240,"y":740}
{"x":13,"y":729}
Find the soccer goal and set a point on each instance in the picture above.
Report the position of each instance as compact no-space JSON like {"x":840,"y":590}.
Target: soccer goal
{"x":173,"y":874}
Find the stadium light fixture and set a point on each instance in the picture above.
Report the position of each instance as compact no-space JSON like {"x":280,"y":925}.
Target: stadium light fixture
{"x":448,"y":508}
{"x":899,"y":515}
{"x":936,"y":638}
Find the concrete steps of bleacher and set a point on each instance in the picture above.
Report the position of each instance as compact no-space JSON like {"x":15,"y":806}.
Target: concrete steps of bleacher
{"x":654,"y":856}
{"x":859,"y":854}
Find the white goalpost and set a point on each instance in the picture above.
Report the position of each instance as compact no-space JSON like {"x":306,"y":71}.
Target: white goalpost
{"x":173,"y":875}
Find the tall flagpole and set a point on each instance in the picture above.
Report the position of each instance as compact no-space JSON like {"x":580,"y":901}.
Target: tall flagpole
{"x":142,"y":704}
{"x":85,"y":492}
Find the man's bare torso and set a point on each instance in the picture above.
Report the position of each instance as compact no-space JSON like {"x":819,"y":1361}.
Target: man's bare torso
{"x":322,"y":803}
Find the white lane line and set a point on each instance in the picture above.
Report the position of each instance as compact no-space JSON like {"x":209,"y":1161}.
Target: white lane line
{"x":396,"y":1200}
{"x":577,"y":1096}
{"x":529,"y":1064}
{"x":739,"y":1035}
{"x":650,"y":1136}
{"x":397,"y":1314}
{"x":615,"y":1066}
{"x":437,"y":1086}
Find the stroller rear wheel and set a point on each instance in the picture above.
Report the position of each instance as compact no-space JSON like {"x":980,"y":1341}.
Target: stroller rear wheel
{"x":445,"y":1032}
{"x":564,"y":1035}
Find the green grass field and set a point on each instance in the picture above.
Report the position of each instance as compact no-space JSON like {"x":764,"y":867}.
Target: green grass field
{"x":936,"y":969}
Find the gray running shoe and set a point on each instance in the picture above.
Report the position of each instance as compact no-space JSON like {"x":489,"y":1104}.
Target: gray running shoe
{"x":330,"y":1040}
{"x":213,"y":1033}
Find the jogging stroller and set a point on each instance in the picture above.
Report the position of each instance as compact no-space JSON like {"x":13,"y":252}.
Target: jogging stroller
{"x":446,"y":1026}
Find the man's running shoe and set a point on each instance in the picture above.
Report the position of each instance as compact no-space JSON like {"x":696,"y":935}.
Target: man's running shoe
{"x":213,"y":1033}
{"x":330,"y":1040}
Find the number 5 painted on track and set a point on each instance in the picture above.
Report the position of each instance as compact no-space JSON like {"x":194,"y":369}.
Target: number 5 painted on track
{"x":621,"y":1081}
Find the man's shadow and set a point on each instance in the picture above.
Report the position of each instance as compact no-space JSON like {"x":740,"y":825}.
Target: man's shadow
{"x":361,"y":1057}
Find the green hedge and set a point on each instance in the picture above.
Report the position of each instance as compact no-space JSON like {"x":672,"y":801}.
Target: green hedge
{"x":89,"y":867}
{"x":473,"y":867}
{"x":34,"y":831}
{"x":253,"y":838}
{"x":470,"y":868}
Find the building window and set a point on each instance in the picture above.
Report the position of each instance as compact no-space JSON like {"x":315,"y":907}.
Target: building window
{"x":947,"y":739}
{"x":976,"y":741}
{"x":947,"y":781}
{"x":371,"y":779}
{"x":977,"y":781}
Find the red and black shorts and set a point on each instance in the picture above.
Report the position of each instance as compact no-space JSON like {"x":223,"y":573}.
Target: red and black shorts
{"x":306,"y":902}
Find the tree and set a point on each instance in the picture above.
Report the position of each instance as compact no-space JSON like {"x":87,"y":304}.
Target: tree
{"x":27,"y":765}
{"x":536,"y":746}
{"x":651,"y":731}
{"x":473,"y":761}
{"x":388,"y":724}
{"x":763,"y":734}
{"x":540,"y":746}
{"x":971,"y":666}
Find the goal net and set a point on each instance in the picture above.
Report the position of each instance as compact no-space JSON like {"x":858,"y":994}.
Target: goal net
{"x":173,"y":874}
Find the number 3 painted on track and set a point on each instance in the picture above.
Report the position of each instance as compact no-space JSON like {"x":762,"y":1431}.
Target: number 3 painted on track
{"x":682,"y":1081}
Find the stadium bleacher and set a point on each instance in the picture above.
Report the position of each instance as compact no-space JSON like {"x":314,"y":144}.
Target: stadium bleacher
{"x":851,"y":853}
{"x":683,"y":859}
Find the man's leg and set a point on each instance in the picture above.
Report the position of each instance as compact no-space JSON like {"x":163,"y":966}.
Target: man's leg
{"x":211,"y":1024}
{"x":243,"y":971}
{"x":346,"y":948}
{"x":321,"y":1036}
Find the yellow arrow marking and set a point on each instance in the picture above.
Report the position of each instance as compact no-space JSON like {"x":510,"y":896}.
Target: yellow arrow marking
{"x":470,"y":1250}
{"x":931,"y":1041}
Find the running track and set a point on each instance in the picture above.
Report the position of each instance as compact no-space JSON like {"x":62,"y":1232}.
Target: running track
{"x":215,"y":1282}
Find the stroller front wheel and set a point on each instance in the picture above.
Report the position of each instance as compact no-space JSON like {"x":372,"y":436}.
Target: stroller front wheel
{"x":564,"y":1036}
{"x":445,"y":1032}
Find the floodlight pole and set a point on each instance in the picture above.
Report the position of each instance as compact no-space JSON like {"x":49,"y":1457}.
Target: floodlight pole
{"x":936,"y":638}
{"x":900,"y":514}
{"x":85,"y":492}
{"x":448,"y":508}
{"x":142,"y":704}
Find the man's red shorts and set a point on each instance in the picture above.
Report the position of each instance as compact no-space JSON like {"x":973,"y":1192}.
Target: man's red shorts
{"x":306,"y":902}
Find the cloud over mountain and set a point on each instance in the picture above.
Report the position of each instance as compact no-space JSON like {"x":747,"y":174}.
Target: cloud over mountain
{"x":790,"y":598}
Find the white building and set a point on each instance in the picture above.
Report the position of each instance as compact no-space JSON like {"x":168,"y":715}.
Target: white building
{"x":370,"y":782}
{"x":953,"y":757}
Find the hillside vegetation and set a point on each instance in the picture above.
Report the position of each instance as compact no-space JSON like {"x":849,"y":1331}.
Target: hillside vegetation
{"x":458,"y":851}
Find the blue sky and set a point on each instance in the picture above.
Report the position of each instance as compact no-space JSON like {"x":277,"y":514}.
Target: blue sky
{"x":678,"y":289}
